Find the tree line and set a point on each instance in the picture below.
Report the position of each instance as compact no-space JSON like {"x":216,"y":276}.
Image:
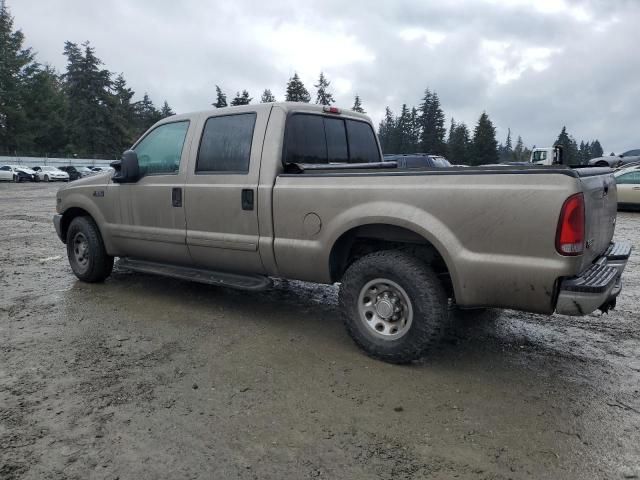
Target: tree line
{"x":88,"y":111}
{"x":422,"y":129}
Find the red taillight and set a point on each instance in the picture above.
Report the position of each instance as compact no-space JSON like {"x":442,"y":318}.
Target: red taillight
{"x":329,"y":109}
{"x":570,"y":233}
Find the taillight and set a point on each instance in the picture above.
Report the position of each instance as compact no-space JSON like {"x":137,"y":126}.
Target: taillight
{"x":570,"y":233}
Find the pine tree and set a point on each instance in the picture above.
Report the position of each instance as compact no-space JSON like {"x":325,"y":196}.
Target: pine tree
{"x":596,"y":149}
{"x":459,"y":144}
{"x":123,"y":115}
{"x":387,"y":132}
{"x":519,"y":151}
{"x":404,"y":131}
{"x":45,"y":106}
{"x":221,"y":98}
{"x":241,"y":99}
{"x":323,"y":97}
{"x":414,"y":131}
{"x":485,"y":145}
{"x":433,"y":129}
{"x":87,"y":86}
{"x":506,"y":150}
{"x":14,"y":64}
{"x":267,"y":97}
{"x":146,"y":113}
{"x":296,"y":91}
{"x":166,"y":111}
{"x":357,"y":105}
{"x":569,"y":148}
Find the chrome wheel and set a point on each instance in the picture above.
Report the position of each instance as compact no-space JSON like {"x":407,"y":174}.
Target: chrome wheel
{"x":385,"y":309}
{"x":81,"y":249}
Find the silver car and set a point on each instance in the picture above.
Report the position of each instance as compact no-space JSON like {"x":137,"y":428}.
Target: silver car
{"x":615,"y":161}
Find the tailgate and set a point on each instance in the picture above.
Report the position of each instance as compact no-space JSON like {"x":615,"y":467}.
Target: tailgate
{"x":601,"y":204}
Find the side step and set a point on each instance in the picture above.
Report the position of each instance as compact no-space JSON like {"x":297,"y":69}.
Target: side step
{"x":210,"y":277}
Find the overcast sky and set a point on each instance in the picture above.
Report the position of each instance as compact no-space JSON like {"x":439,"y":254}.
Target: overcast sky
{"x":533,"y":65}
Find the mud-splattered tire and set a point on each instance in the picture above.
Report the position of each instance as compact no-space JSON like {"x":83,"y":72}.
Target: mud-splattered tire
{"x":85,"y":250}
{"x":384,"y":285}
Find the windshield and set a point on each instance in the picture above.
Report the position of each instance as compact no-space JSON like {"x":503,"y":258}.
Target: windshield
{"x":441,"y":162}
{"x":83,"y":169}
{"x":539,"y":156}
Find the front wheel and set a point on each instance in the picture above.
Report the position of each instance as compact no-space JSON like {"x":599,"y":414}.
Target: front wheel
{"x":394,"y":306}
{"x":16,"y":178}
{"x":85,"y":249}
{"x":46,"y":178}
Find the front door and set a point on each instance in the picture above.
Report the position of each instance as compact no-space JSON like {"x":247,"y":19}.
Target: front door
{"x":629,"y":187}
{"x":221,"y":193}
{"x":152,"y":216}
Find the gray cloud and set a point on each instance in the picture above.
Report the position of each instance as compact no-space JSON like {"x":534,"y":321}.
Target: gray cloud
{"x":533,"y":65}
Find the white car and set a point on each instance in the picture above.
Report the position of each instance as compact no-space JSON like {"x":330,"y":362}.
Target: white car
{"x":102,"y":169}
{"x":47,"y":173}
{"x":628,"y":185}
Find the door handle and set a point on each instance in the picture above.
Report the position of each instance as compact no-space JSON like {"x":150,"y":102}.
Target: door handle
{"x":247,"y":199}
{"x":176,"y":197}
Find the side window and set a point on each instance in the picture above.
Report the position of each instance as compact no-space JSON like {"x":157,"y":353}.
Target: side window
{"x":362,"y":143}
{"x":5,"y":168}
{"x":226,"y":144}
{"x":306,"y":142}
{"x":160,"y":151}
{"x":629,"y":178}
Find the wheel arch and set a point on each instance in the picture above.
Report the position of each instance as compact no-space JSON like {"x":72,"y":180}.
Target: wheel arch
{"x":386,"y":235}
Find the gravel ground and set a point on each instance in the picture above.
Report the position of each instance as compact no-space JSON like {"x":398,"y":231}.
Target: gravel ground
{"x":144,"y":377}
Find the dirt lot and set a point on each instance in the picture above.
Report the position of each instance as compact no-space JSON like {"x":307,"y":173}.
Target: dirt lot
{"x":144,"y":377}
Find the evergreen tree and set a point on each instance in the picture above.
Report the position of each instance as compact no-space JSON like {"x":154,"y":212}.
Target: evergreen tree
{"x":44,"y":105}
{"x":404,"y":131}
{"x":506,"y":150}
{"x":221,"y":98}
{"x":14,"y":65}
{"x":433,"y":129}
{"x":123,"y":115}
{"x":296,"y":91}
{"x":267,"y":97}
{"x":414,"y":131}
{"x":87,"y":86}
{"x":166,"y":111}
{"x":596,"y":149}
{"x":519,"y":151}
{"x":241,"y":99}
{"x":357,"y":105}
{"x":459,"y":144}
{"x":485,"y":145}
{"x":387,"y":132}
{"x":146,"y":113}
{"x":569,"y":147}
{"x":323,"y":97}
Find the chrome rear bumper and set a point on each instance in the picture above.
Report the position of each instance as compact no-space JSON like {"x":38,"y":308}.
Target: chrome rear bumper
{"x":597,"y":286}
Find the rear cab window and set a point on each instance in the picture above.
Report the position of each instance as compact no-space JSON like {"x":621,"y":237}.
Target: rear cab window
{"x":318,"y":139}
{"x":225,"y":146}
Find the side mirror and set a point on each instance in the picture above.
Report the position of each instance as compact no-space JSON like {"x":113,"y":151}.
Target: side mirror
{"x":127,"y":169}
{"x":621,"y":155}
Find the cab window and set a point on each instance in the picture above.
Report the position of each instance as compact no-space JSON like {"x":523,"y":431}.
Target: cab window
{"x":159,"y":153}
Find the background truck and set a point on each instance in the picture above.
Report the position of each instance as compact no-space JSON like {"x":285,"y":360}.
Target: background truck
{"x":237,"y":195}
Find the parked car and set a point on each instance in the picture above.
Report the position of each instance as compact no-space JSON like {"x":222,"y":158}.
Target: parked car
{"x":17,"y":173}
{"x":301,"y":192}
{"x":417,"y":160}
{"x":630,"y":156}
{"x":628,"y":183}
{"x":101,"y":169}
{"x":48,"y":173}
{"x":76,"y":172}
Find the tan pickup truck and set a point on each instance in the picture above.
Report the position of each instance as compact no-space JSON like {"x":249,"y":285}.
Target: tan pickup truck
{"x":238,"y":195}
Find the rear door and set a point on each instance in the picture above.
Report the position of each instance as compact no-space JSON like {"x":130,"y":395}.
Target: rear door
{"x":6,"y":173}
{"x":221,"y":193}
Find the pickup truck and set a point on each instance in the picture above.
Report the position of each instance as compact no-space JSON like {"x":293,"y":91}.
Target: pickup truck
{"x":239,"y":195}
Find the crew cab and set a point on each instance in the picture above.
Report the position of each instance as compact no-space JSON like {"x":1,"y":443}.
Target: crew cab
{"x":239,"y":195}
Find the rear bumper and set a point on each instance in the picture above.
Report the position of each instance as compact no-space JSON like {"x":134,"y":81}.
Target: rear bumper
{"x":597,"y":286}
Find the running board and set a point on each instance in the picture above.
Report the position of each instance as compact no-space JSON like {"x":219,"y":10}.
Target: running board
{"x":210,"y":277}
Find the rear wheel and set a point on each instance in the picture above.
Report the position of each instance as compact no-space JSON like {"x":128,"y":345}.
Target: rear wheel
{"x":394,"y":306}
{"x":46,"y":178}
{"x":85,"y":250}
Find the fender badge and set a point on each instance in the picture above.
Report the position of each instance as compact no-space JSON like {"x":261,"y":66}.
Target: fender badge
{"x":98,"y":193}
